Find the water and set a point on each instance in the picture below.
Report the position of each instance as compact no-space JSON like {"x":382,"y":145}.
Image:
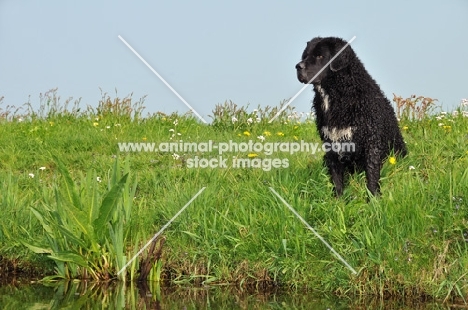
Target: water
{"x":86,"y":295}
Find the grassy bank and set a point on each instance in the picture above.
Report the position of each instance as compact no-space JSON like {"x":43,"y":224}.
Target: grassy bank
{"x":70,"y":194}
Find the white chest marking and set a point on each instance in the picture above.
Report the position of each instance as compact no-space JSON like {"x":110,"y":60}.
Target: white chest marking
{"x":336,"y":135}
{"x":324,"y":95}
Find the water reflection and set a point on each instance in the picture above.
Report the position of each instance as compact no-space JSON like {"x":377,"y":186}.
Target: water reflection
{"x":87,"y":295}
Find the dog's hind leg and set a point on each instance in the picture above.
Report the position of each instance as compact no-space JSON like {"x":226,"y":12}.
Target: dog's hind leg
{"x":372,"y":169}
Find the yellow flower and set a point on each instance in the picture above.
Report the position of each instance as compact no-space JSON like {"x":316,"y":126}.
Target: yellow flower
{"x":405,"y":127}
{"x":447,"y":128}
{"x":246,"y":133}
{"x":252,"y":155}
{"x":51,"y":123}
{"x":144,"y":138}
{"x":296,"y":138}
{"x":392,"y":160}
{"x":279,"y":133}
{"x":267,"y":133}
{"x":95,"y":124}
{"x":239,"y":135}
{"x":295,"y":127}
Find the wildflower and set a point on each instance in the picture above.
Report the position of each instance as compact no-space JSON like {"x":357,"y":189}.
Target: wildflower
{"x":107,"y":127}
{"x":464,"y":102}
{"x":440,"y":124}
{"x":411,"y":168}
{"x":42,"y":168}
{"x":99,"y":179}
{"x":255,"y":110}
{"x":95,"y":124}
{"x":246,"y":133}
{"x":250,"y":120}
{"x":296,"y":138}
{"x":171,"y":130}
{"x":405,"y":127}
{"x":439,"y":117}
{"x":447,"y":128}
{"x":175,"y":156}
{"x":261,"y":138}
{"x":175,"y":123}
{"x":258,"y":119}
{"x":392,"y":160}
{"x":252,"y":155}
{"x":31,"y":175}
{"x":455,"y":113}
{"x":179,"y":134}
{"x":96,"y":119}
{"x":51,"y":123}
{"x":118,"y":125}
{"x":20,"y":119}
{"x":234,"y":119}
{"x":267,"y":133}
{"x":279,"y":133}
{"x":295,"y":127}
{"x":144,"y":138}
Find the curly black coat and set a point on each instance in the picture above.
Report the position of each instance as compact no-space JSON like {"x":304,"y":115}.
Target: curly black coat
{"x":353,"y":116}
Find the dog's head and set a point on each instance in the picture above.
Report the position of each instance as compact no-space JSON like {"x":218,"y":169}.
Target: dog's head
{"x":317,"y":54}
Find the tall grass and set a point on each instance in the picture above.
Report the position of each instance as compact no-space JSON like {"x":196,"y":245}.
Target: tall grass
{"x":411,"y":241}
{"x":84,"y":232}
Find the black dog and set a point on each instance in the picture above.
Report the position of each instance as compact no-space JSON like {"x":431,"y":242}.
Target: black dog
{"x":352,"y":113}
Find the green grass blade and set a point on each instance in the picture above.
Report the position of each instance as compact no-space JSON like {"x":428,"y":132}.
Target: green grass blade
{"x":108,"y":206}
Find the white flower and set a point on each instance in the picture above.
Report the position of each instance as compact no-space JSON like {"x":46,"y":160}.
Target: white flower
{"x":443,"y":112}
{"x":171,"y":130}
{"x":255,"y":110}
{"x":250,"y":120}
{"x":117,"y":125}
{"x":107,"y":127}
{"x":439,"y":117}
{"x":42,"y":168}
{"x":179,"y":134}
{"x":464,"y":102}
{"x":99,"y":179}
{"x":175,"y":123}
{"x":31,"y":175}
{"x":96,"y":119}
{"x":262,"y":138}
{"x":258,"y":119}
{"x":20,"y":119}
{"x":175,"y":156}
{"x":411,"y":168}
{"x":441,"y":124}
{"x":234,"y":119}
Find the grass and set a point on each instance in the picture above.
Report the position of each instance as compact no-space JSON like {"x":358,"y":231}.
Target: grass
{"x":59,"y":167}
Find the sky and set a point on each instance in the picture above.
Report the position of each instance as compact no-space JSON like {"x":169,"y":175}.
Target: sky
{"x":213,"y":51}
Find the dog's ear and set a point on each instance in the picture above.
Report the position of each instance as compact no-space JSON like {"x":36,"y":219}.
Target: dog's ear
{"x":343,"y":59}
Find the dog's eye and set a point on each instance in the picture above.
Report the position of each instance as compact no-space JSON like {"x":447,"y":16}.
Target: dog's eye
{"x":319,"y":56}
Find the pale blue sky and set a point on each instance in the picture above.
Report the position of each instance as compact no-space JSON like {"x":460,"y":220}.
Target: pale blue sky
{"x":212,"y":51}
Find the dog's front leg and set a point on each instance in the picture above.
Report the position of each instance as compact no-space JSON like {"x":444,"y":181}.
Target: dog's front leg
{"x":336,"y":171}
